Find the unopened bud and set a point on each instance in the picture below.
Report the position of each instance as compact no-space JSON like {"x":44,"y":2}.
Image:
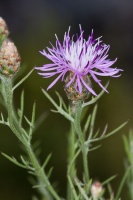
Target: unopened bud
{"x":96,"y":189}
{"x":9,"y":59}
{"x":3,"y":29}
{"x":72,"y":93}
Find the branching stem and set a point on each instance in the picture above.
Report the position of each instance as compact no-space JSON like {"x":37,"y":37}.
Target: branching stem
{"x":45,"y":186}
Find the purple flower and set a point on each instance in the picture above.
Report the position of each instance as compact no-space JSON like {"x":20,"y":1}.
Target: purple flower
{"x":80,"y":58}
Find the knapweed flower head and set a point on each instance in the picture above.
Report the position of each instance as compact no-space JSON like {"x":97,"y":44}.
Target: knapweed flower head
{"x":9,"y":59}
{"x":96,"y":190}
{"x":3,"y":29}
{"x":76,"y":61}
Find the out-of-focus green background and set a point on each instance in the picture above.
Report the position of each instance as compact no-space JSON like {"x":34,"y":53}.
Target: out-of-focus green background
{"x":32,"y":25}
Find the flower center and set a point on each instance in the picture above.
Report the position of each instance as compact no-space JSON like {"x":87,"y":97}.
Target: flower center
{"x":79,"y":55}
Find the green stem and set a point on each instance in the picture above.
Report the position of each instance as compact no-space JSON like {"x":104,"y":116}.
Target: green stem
{"x":81,"y":139}
{"x":18,"y":131}
{"x":71,"y":168}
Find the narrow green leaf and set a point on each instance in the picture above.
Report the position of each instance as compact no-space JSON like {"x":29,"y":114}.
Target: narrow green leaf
{"x":27,"y":120}
{"x":62,"y":103}
{"x":122,"y":183}
{"x":21,"y":107}
{"x":109,"y":180}
{"x":96,"y":134}
{"x":92,"y":122}
{"x":109,"y":134}
{"x":111,"y":193}
{"x":25,"y":135}
{"x":22,"y":80}
{"x":94,"y":148}
{"x":32,"y":122}
{"x":25,"y":162}
{"x":2,"y":117}
{"x":50,"y":172}
{"x":95,"y":99}
{"x":73,"y":160}
{"x":2,"y":121}
{"x":38,"y":186}
{"x":81,"y":190}
{"x":46,"y":161}
{"x":73,"y":189}
{"x":40,"y":120}
{"x":104,"y":131}
{"x":54,"y":111}
{"x":127,"y":148}
{"x":59,"y":109}
{"x":89,"y":184}
{"x":86,"y":125}
{"x":13,"y":160}
{"x":32,"y":172}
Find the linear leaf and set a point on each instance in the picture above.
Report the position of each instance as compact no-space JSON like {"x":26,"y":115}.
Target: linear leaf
{"x":46,"y":161}
{"x":32,"y":122}
{"x":94,"y":99}
{"x":122,"y":183}
{"x":13,"y":160}
{"x":62,"y":103}
{"x":59,"y":109}
{"x":109,"y":134}
{"x":73,"y":189}
{"x":81,"y":190}
{"x":21,"y":107}
{"x":109,"y":180}
{"x":92,"y":122}
{"x":22,"y":80}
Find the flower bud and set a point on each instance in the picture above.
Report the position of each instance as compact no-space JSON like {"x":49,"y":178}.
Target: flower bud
{"x":71,"y":91}
{"x":9,"y":59}
{"x":96,"y":189}
{"x":3,"y":30}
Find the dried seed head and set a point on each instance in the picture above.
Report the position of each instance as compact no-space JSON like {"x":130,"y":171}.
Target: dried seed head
{"x":72,"y":93}
{"x":3,"y":29}
{"x":96,"y":189}
{"x":9,"y":59}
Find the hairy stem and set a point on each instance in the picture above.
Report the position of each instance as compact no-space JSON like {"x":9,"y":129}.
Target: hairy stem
{"x":81,"y":139}
{"x":71,"y":167}
{"x":45,"y":186}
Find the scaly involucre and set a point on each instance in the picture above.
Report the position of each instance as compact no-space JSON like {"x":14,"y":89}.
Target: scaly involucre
{"x":80,"y":58}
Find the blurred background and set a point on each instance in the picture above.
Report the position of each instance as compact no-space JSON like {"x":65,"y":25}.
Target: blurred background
{"x":32,"y":25}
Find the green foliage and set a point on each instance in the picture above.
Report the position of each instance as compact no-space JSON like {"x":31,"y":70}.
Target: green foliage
{"x":128,"y":144}
{"x":60,"y":107}
{"x":80,"y":142}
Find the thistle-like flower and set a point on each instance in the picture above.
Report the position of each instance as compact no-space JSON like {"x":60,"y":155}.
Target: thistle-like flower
{"x":76,"y":60}
{"x":9,"y":59}
{"x":3,"y":29}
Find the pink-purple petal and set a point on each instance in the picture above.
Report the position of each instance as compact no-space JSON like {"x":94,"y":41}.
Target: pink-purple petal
{"x":53,"y":83}
{"x":88,"y":87}
{"x":81,"y":57}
